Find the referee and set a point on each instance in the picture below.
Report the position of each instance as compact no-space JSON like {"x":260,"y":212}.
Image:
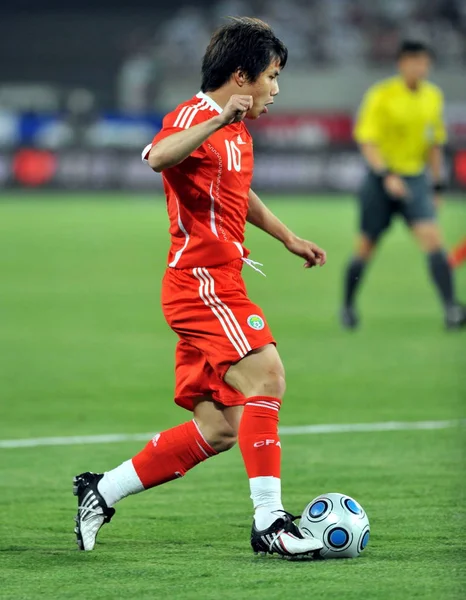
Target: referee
{"x":400,"y":132}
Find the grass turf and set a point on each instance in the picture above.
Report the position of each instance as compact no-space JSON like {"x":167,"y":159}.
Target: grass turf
{"x":84,"y":350}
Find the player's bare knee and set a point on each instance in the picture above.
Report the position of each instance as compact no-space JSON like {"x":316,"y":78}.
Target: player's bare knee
{"x":269,"y":382}
{"x":263,"y":382}
{"x":366,"y":255}
{"x":428,"y":236}
{"x":365,"y":248}
{"x":269,"y":379}
{"x":272,"y":384}
{"x":261,"y":373}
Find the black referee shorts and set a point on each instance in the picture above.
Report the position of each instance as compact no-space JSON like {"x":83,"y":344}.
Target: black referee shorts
{"x":377,"y":208}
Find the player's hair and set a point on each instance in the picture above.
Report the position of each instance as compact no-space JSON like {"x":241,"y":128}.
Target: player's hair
{"x":410,"y":47}
{"x":243,"y":43}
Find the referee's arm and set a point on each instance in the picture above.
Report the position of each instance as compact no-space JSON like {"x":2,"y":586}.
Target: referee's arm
{"x":367,"y":130}
{"x":367,"y":133}
{"x":435,"y":157}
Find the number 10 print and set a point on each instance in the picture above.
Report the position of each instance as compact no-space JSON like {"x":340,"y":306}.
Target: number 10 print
{"x":234,"y":156}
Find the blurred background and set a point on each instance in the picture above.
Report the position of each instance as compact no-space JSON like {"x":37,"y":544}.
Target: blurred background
{"x":84,"y":348}
{"x":84,"y":85}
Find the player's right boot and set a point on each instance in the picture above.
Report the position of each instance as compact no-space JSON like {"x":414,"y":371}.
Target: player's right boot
{"x":284,"y":538}
{"x":93,"y":511}
{"x":455,"y":316}
{"x":349,"y":318}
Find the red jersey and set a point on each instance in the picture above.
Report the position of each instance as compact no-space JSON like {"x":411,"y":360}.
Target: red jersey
{"x":208,"y":193}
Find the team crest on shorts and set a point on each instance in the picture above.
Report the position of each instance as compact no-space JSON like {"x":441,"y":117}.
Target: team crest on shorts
{"x":256,"y":322}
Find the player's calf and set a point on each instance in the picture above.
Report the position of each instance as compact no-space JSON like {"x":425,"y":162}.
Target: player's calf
{"x":218,"y":424}
{"x":261,"y":378}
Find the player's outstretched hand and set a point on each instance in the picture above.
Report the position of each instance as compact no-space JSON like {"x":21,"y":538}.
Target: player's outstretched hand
{"x":236,"y":109}
{"x":309,"y":251}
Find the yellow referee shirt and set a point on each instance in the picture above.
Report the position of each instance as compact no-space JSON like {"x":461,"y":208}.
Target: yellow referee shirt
{"x":403,"y":123}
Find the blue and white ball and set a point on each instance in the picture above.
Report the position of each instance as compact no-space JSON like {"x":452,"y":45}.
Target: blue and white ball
{"x":339,"y":522}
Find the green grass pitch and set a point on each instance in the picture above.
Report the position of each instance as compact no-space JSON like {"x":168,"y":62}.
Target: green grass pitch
{"x":84,"y":350}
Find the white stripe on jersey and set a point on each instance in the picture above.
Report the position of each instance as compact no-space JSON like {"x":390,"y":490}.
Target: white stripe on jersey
{"x":182,"y":227}
{"x":224,"y":322}
{"x":191,"y":109}
{"x":210,"y":102}
{"x":213,"y":226}
{"x":187,"y":113}
{"x":239,"y":331}
{"x":184,"y":119}
{"x":198,"y":107}
{"x":180,"y":115}
{"x":190,"y":119}
{"x":145,"y":153}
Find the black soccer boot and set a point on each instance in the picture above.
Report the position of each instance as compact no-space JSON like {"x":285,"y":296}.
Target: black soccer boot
{"x":349,"y":317}
{"x":455,"y":316}
{"x":284,"y":538}
{"x":93,"y":511}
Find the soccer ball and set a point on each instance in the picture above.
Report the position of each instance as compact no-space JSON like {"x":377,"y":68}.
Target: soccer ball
{"x":339,"y":522}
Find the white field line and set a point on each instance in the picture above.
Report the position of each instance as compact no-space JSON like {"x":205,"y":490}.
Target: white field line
{"x":295,"y":430}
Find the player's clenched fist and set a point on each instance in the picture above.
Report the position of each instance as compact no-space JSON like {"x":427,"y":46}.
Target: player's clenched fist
{"x":236,"y":108}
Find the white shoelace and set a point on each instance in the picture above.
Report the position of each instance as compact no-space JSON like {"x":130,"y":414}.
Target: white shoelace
{"x":274,"y":538}
{"x":252,"y":264}
{"x":92,"y":510}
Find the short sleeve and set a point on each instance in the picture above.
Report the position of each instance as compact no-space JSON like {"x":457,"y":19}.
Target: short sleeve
{"x":440,"y":132}
{"x":369,"y":122}
{"x":184,"y":117}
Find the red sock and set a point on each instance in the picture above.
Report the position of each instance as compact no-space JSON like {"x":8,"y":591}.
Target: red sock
{"x":258,"y":437}
{"x":171,"y":454}
{"x":458,"y":254}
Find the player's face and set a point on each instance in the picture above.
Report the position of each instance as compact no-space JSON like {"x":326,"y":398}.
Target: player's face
{"x":414,"y":67}
{"x":264,"y":90}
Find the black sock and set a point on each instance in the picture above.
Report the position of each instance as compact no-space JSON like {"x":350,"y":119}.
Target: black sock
{"x":353,"y":276}
{"x":442,"y":276}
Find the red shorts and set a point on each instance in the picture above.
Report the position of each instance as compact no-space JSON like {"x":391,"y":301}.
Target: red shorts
{"x":217,"y":325}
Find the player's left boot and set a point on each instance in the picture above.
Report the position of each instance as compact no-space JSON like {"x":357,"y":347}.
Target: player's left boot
{"x":93,"y":511}
{"x":455,"y":316}
{"x":284,"y":538}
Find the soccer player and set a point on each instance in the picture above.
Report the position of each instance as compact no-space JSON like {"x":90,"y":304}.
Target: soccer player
{"x":457,"y":256}
{"x":400,"y":132}
{"x":228,"y":371}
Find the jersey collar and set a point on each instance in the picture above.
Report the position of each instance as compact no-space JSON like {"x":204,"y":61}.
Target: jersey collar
{"x":209,"y":101}
{"x":402,"y":84}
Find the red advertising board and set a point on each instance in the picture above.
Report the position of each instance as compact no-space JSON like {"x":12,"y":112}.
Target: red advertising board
{"x":303,"y":131}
